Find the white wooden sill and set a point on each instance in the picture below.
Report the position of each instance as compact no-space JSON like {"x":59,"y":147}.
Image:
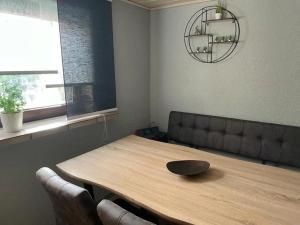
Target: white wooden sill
{"x":46,"y":127}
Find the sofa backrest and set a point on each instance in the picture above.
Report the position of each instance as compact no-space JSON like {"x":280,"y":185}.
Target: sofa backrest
{"x":264,"y":141}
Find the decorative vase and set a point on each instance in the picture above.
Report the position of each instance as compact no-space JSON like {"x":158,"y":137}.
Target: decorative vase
{"x":218,"y":16}
{"x":12,"y":122}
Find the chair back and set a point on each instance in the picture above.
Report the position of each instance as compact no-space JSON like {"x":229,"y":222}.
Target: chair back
{"x":112,"y":214}
{"x":72,"y":205}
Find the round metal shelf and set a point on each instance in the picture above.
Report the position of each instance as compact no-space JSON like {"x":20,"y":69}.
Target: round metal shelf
{"x":201,"y":19}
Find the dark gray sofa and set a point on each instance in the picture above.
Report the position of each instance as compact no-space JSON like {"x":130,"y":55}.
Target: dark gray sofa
{"x":268,"y":143}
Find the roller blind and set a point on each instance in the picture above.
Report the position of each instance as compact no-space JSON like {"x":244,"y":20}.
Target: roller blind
{"x":87,"y":55}
{"x":29,"y":39}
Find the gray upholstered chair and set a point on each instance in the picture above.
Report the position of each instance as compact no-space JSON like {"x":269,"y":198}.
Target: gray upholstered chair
{"x":112,"y":214}
{"x":72,"y":205}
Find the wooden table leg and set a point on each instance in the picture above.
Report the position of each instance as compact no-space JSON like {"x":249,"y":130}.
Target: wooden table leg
{"x":90,"y":189}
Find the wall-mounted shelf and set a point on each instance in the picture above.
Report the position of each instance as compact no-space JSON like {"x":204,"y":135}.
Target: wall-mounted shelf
{"x":218,"y":20}
{"x":219,"y":42}
{"x":200,"y":52}
{"x":198,"y":36}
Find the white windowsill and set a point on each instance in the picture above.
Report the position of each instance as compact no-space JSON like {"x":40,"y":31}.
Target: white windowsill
{"x":46,"y":127}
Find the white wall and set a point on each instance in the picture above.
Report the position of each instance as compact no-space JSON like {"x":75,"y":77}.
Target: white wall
{"x":23,"y":201}
{"x":260,"y":82}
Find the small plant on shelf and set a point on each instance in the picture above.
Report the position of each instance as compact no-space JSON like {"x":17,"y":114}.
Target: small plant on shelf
{"x":219,"y":11}
{"x":11,"y":104}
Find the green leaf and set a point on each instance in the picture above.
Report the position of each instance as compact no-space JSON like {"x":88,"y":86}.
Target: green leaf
{"x":11,"y":95}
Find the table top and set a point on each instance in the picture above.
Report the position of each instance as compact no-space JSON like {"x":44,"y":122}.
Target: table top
{"x":232,"y":191}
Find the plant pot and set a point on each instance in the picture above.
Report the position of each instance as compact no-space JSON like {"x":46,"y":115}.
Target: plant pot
{"x":12,"y":122}
{"x":218,"y":16}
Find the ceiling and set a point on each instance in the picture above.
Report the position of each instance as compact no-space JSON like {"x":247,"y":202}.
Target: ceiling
{"x":156,"y":4}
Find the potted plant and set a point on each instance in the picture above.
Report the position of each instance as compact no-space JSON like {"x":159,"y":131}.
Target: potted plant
{"x":11,"y":103}
{"x":219,"y":11}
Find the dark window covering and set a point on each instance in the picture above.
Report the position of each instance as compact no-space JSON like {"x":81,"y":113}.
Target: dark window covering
{"x":87,"y":52}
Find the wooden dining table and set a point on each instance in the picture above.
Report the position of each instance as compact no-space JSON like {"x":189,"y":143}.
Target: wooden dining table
{"x":231,"y":192}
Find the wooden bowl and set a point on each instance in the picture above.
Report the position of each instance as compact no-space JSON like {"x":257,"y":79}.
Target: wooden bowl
{"x":188,"y":167}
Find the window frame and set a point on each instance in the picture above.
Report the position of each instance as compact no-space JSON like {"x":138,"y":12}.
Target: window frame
{"x":31,"y":115}
{"x":47,"y":111}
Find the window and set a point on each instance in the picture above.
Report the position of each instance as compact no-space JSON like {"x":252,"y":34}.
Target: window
{"x":36,"y":49}
{"x":31,"y":52}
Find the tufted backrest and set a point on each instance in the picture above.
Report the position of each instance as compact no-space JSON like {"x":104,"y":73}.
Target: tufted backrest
{"x":72,"y":205}
{"x":112,"y":214}
{"x":268,"y":142}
